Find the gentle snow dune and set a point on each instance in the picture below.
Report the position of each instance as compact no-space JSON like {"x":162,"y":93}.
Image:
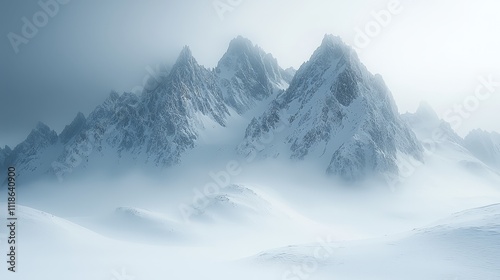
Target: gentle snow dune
{"x":234,"y":203}
{"x":48,"y":246}
{"x":463,"y":246}
{"x":139,"y":225}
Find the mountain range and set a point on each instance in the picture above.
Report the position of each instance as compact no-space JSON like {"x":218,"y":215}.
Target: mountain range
{"x":331,"y":111}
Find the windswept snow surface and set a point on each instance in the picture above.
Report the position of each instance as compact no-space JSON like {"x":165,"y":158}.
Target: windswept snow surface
{"x":259,"y":231}
{"x":463,"y":246}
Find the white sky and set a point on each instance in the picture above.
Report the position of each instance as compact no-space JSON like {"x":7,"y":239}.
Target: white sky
{"x":431,"y":50}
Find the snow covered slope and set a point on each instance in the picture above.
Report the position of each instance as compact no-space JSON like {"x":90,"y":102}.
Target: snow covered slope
{"x":485,"y":146}
{"x":439,"y":139}
{"x":336,"y":112}
{"x":139,"y":225}
{"x":464,"y":246}
{"x":156,"y":128}
{"x":429,"y":127}
{"x":41,"y":146}
{"x":332,"y":112}
{"x":461,"y":246}
{"x":249,"y":75}
{"x":234,"y":203}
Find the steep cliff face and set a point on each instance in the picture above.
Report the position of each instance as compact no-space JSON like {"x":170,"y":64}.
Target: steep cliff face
{"x":338,"y":113}
{"x":248,"y":75}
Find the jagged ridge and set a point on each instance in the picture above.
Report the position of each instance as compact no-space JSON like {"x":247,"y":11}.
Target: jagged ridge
{"x":337,"y":111}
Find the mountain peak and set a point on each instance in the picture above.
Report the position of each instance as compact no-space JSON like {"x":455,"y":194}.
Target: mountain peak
{"x":339,"y":66}
{"x":331,"y":40}
{"x":240,"y":44}
{"x":485,"y":146}
{"x":426,"y":111}
{"x":186,"y":52}
{"x":74,"y":128}
{"x":42,"y":127}
{"x":42,"y":133}
{"x":186,"y":56}
{"x":79,"y":116}
{"x":185,"y":62}
{"x":333,"y":48}
{"x":339,"y":111}
{"x":249,"y":74}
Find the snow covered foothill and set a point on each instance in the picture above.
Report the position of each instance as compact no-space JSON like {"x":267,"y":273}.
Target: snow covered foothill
{"x":463,"y":246}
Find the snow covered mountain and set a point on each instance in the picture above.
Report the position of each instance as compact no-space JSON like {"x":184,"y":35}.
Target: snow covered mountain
{"x":337,"y":112}
{"x":429,"y":127}
{"x":485,"y":146}
{"x":249,"y":75}
{"x":477,"y":152}
{"x":332,"y":112}
{"x":157,"y":127}
{"x":41,"y":145}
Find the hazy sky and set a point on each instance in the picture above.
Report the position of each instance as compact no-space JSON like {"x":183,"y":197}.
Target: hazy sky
{"x":427,"y":50}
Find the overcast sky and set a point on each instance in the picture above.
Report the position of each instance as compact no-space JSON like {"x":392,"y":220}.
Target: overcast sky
{"x":427,"y":50}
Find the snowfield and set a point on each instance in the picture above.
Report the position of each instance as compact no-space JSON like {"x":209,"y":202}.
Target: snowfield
{"x":463,"y":246}
{"x":150,"y":245}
